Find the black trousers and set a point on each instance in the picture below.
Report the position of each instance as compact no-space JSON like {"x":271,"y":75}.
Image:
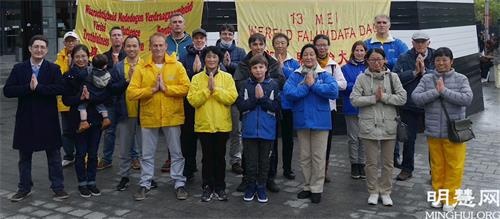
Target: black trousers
{"x":257,"y":153}
{"x":213,"y":147}
{"x":189,"y":140}
{"x":286,"y":125}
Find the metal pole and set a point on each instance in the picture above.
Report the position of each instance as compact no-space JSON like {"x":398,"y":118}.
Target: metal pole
{"x":487,"y":19}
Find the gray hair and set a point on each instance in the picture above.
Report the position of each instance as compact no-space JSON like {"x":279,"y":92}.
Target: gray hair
{"x":382,"y":16}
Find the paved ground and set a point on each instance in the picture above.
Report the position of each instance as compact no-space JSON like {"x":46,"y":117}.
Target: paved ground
{"x":342,"y":198}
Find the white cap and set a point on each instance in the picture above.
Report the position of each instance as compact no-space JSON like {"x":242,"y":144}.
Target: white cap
{"x":71,"y":34}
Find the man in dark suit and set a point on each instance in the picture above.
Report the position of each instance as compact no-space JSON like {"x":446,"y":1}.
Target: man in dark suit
{"x":36,"y":83}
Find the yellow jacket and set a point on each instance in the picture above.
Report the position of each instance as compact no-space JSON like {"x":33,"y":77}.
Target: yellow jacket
{"x":132,"y":105}
{"x":212,"y":110}
{"x":62,"y":61}
{"x":161,"y":108}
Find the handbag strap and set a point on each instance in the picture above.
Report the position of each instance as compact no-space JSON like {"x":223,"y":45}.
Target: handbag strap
{"x":393,"y":92}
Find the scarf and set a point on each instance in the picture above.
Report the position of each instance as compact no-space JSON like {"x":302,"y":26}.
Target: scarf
{"x":305,"y":71}
{"x":323,"y":61}
{"x":225,"y":44}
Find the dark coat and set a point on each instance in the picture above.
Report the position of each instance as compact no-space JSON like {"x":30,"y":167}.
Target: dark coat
{"x":274,"y":71}
{"x":187,"y":59}
{"x":37,"y":120}
{"x":109,"y":54}
{"x":237,"y":54}
{"x":73,"y":82}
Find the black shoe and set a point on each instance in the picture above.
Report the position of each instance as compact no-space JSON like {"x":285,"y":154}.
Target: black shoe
{"x":304,"y":194}
{"x":355,"y":171}
{"x":61,"y":194}
{"x":94,"y":190}
{"x":19,"y":196}
{"x":84,"y":191}
{"x":272,"y":186}
{"x":236,"y":168}
{"x":362,"y":173}
{"x":289,"y":175}
{"x":316,"y":198}
{"x":221,"y":195}
{"x":243,"y":185}
{"x":123,"y":184}
{"x":154,"y":185}
{"x":207,"y":194}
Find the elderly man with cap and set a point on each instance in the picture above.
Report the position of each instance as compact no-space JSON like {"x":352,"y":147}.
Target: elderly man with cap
{"x":64,"y":62}
{"x":411,"y":66}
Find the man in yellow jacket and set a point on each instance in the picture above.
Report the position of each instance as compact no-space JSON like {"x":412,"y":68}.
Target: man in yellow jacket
{"x":160,"y":86}
{"x":71,"y":39}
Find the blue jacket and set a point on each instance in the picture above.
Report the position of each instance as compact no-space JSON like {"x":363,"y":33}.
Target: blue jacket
{"x":258,"y":116}
{"x":393,"y":48}
{"x":237,"y":55}
{"x":37,"y":120}
{"x":310,"y":105}
{"x":405,"y":68}
{"x":179,"y":48}
{"x":289,"y":66}
{"x":351,"y":70}
{"x":118,"y":87}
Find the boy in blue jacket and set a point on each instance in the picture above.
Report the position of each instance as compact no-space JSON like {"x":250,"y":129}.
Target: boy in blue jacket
{"x":258,"y":103}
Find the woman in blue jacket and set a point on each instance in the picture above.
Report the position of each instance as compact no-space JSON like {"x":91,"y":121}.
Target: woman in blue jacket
{"x":351,"y":70}
{"x":309,"y":89}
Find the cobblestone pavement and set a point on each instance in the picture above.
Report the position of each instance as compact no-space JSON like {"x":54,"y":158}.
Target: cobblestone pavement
{"x":342,"y":198}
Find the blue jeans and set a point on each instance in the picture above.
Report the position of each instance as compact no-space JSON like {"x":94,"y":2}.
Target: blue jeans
{"x":109,"y":140}
{"x":55,"y":170}
{"x":87,"y":144}
{"x":411,"y":118}
{"x":68,"y":136}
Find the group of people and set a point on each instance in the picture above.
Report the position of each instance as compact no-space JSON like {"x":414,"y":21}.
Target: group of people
{"x":190,"y":91}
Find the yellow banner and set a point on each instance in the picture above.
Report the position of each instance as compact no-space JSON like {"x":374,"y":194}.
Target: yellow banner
{"x":140,"y":18}
{"x":343,"y":21}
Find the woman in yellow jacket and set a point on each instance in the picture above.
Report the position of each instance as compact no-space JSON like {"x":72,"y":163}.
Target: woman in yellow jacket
{"x":160,"y":85}
{"x":212,"y":93}
{"x":64,"y":62}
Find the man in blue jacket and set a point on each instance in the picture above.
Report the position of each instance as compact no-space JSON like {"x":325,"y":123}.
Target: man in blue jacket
{"x":178,"y":38}
{"x":411,"y":66}
{"x":232,"y":54}
{"x":36,"y":83}
{"x":392,"y":47}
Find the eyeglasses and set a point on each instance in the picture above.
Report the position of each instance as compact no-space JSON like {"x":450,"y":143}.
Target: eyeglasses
{"x":375,"y":60}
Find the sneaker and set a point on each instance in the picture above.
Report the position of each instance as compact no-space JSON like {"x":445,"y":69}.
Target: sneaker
{"x":141,"y":194}
{"x":207,"y":194}
{"x":84,"y":191}
{"x":66,"y":163}
{"x":181,"y":193}
{"x":236,"y":168}
{"x":484,"y":80}
{"x":94,"y":190}
{"x":261,"y":194}
{"x":84,"y":125}
{"x":449,"y":208}
{"x":355,"y":171}
{"x":272,"y":186}
{"x":386,"y":200}
{"x":136,"y":164}
{"x":243,"y":185}
{"x":101,"y":165}
{"x":304,"y":194}
{"x":436,"y":204}
{"x":166,"y":167}
{"x":221,"y":195}
{"x":123,"y":184}
{"x":404,"y":175}
{"x":362,"y":173}
{"x":19,"y":196}
{"x":106,"y":123}
{"x":373,"y":199}
{"x":315,"y":198}
{"x":249,"y":193}
{"x":289,"y":175}
{"x":153,"y":185}
{"x":61,"y":194}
